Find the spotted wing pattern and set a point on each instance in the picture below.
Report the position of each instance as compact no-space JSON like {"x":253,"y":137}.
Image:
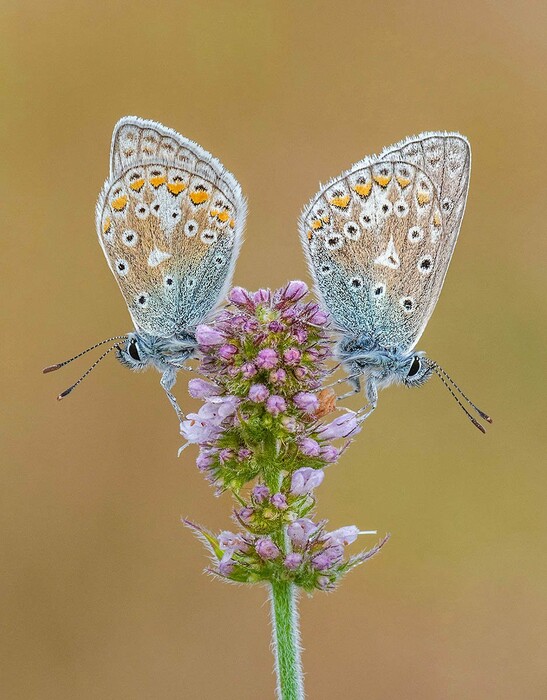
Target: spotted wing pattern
{"x":380,"y":237}
{"x":170,"y":220}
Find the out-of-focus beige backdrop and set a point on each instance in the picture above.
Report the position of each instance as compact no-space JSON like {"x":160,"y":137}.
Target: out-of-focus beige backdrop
{"x":102,"y":590}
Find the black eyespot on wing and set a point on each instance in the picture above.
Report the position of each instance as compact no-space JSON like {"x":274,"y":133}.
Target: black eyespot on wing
{"x":414,"y":367}
{"x":133,"y":351}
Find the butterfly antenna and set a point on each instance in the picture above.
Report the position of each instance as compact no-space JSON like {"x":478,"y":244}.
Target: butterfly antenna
{"x":482,"y":414}
{"x":52,"y":368}
{"x":460,"y":404}
{"x":66,"y":392}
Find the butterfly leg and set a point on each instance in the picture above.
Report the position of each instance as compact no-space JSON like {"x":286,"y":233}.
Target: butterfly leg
{"x":371,"y":392}
{"x":167,"y":381}
{"x":355,"y":381}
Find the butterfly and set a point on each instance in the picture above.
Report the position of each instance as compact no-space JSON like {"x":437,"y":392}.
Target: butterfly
{"x":378,"y":240}
{"x":170,"y":222}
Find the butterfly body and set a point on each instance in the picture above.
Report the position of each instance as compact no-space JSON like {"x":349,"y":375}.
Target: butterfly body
{"x":378,"y":240}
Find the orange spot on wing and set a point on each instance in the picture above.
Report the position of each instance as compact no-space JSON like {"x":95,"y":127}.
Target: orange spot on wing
{"x":157,"y":181}
{"x":223,"y":216}
{"x":325,"y":219}
{"x":363,"y":189}
{"x":316,"y":224}
{"x":436,"y":219}
{"x":199,"y":196}
{"x":340,"y":202}
{"x":310,"y":235}
{"x":423,"y":198}
{"x":382,"y":180}
{"x":403,"y":181}
{"x":176,"y":187}
{"x":137,"y":185}
{"x":213,"y":213}
{"x":232,"y":223}
{"x":106,"y":225}
{"x":119,"y":203}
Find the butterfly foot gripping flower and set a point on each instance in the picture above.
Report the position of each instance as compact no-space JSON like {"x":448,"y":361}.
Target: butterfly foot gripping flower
{"x":268,"y":433}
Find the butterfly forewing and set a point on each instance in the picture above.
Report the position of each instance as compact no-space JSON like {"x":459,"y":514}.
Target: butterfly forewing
{"x":170,"y":221}
{"x":380,"y":237}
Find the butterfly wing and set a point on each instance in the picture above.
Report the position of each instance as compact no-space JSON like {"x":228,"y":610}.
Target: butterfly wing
{"x":380,"y":237}
{"x":170,"y":221}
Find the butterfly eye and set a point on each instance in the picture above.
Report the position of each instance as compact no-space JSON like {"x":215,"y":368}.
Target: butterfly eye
{"x":414,"y":367}
{"x":132,"y":350}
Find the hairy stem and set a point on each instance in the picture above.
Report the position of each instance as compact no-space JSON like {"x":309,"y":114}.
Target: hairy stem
{"x":286,"y":641}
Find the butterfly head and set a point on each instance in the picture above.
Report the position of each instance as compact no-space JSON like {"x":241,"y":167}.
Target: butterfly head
{"x":135,"y":353}
{"x":384,"y":365}
{"x":416,"y":370}
{"x":142,"y":350}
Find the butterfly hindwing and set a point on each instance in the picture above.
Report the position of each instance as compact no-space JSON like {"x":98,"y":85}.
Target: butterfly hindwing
{"x":170,"y":221}
{"x":380,"y":237}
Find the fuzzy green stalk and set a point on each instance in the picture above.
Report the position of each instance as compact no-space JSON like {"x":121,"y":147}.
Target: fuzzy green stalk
{"x":286,"y":641}
{"x":285,"y":622}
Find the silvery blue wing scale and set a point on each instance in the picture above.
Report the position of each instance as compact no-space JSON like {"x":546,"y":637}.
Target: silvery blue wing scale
{"x":378,"y":240}
{"x":170,"y":222}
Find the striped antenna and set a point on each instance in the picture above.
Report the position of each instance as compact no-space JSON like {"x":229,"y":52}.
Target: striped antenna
{"x":66,"y":392}
{"x":52,"y":368}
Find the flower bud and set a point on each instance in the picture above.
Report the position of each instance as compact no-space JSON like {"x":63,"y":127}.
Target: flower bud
{"x":205,"y":335}
{"x":279,"y":501}
{"x":226,"y":352}
{"x":343,"y":426}
{"x":292,"y":356}
{"x":309,"y":447}
{"x":306,"y":402}
{"x":260,"y":493}
{"x":267,"y":359}
{"x":275,"y":405}
{"x":258,"y":393}
{"x":299,"y":532}
{"x":306,"y":479}
{"x":293,"y":561}
{"x":343,"y":536}
{"x":266,"y":548}
{"x":200,"y":389}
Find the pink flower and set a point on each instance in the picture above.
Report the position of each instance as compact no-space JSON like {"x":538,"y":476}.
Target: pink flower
{"x":260,"y":493}
{"x":266,"y":548}
{"x":306,"y":401}
{"x":293,"y":561}
{"x":267,"y":359}
{"x":309,"y":447}
{"x":248,"y":370}
{"x":258,"y":393}
{"x":329,"y":453}
{"x":327,"y":558}
{"x":292,"y":356}
{"x":226,"y":352}
{"x":343,"y":536}
{"x":343,"y":426}
{"x":299,"y":532}
{"x":241,"y":297}
{"x":306,"y":479}
{"x":200,"y":389}
{"x":278,"y":376}
{"x":294,"y":291}
{"x":275,"y":405}
{"x":279,"y":501}
{"x":205,"y":335}
{"x":232,"y":542}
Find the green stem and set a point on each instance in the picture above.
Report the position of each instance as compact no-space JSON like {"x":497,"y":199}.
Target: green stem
{"x":286,"y":641}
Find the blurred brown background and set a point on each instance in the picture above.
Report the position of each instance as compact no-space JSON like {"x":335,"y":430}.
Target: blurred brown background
{"x":102,"y":590}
